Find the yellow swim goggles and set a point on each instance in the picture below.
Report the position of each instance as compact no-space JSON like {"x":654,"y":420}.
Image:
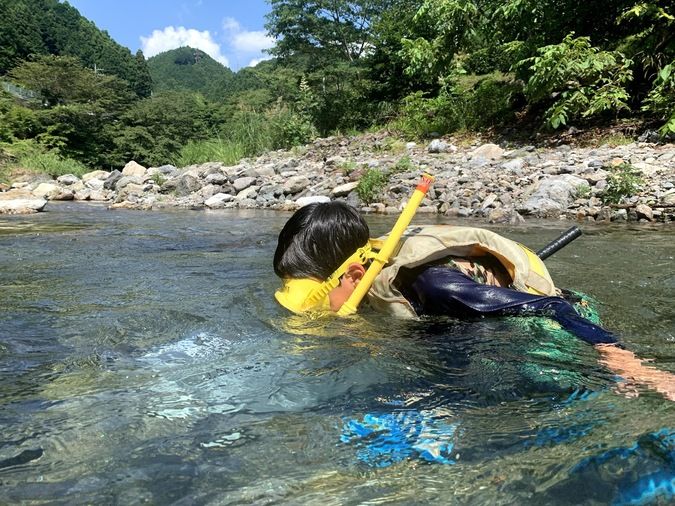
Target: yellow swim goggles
{"x":300,"y":295}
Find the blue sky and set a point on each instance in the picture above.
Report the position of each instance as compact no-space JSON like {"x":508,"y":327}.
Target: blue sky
{"x":230,"y":31}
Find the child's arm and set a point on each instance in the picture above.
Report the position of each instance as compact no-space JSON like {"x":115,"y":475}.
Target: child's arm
{"x":633,"y":371}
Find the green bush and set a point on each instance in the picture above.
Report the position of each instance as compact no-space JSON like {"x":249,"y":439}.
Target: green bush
{"x":580,"y":80}
{"x":371,"y":185}
{"x":468,"y":102}
{"x":623,"y":181}
{"x":661,"y":98}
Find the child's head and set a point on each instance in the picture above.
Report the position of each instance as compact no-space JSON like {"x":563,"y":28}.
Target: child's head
{"x":317,"y":240}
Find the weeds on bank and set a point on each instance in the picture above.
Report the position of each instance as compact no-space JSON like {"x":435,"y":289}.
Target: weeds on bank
{"x":623,"y":181}
{"x":29,"y":156}
{"x":371,"y":185}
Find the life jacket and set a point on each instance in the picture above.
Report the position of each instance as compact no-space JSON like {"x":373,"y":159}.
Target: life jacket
{"x":425,"y":244}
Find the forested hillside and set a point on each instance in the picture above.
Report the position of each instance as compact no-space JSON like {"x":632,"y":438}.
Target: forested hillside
{"x":41,"y":27}
{"x":416,"y":67}
{"x":189,"y":69}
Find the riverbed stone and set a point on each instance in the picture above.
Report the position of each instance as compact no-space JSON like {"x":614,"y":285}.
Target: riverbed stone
{"x":242,"y":183}
{"x":437,"y":146}
{"x":552,"y":195}
{"x":95,"y":174}
{"x":68,"y":179}
{"x":20,"y":202}
{"x":313,"y":199}
{"x":111,"y":181}
{"x":133,"y":169}
{"x":296,"y":184}
{"x":185,"y":185}
{"x":344,"y":189}
{"x":643,"y":211}
{"x":218,"y":200}
{"x":488,"y":152}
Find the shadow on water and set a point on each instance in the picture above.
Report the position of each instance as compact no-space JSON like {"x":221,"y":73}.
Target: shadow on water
{"x":143,"y":359}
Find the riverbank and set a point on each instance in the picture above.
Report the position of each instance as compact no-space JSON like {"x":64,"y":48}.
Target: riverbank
{"x":376,"y":173}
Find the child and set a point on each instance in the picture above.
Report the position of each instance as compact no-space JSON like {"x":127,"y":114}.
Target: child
{"x":324,"y":249}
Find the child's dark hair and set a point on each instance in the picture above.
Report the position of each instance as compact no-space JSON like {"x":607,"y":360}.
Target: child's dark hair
{"x":317,"y":239}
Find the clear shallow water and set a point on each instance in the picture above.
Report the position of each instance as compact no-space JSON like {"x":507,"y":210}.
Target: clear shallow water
{"x":143,"y":359}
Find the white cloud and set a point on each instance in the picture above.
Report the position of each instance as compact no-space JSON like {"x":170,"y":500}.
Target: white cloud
{"x":231,"y":25}
{"x":255,"y":61}
{"x":251,"y":42}
{"x":244,"y":44}
{"x":175,"y":37}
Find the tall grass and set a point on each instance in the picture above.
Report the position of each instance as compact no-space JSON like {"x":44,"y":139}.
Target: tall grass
{"x":213,"y":150}
{"x":248,"y":133}
{"x":29,"y":156}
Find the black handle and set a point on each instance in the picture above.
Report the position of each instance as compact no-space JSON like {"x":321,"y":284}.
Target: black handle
{"x":559,"y":243}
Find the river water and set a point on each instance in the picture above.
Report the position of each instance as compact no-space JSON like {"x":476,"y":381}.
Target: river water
{"x":144,"y":360}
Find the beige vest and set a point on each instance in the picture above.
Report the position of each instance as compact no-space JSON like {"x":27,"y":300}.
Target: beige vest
{"x":424,"y":244}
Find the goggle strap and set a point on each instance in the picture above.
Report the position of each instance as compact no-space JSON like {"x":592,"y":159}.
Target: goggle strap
{"x":361,"y":255}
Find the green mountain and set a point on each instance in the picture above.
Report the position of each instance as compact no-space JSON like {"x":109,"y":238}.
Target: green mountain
{"x":30,"y":27}
{"x":190,"y":69}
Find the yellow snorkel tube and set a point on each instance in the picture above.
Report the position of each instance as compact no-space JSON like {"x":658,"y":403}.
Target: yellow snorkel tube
{"x":381,"y":259}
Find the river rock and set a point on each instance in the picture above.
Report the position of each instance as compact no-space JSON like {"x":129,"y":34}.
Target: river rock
{"x":644,"y":212}
{"x":133,"y":169}
{"x":52,"y":191}
{"x":296,"y":184}
{"x":488,"y":152}
{"x":20,"y":202}
{"x":514,"y":166}
{"x":217,"y":178}
{"x":111,"y":181}
{"x":242,"y":183}
{"x":218,"y":201}
{"x":437,"y":146}
{"x":344,"y":189}
{"x":95,"y":174}
{"x":551,"y":196}
{"x":185,"y":185}
{"x":68,"y":179}
{"x":668,"y":198}
{"x":314,"y":199}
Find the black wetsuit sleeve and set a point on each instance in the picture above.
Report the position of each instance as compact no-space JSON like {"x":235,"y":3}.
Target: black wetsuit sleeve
{"x":436,"y":290}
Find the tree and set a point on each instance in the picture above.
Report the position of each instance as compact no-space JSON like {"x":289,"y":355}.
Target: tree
{"x":152,"y":131}
{"x":328,"y":28}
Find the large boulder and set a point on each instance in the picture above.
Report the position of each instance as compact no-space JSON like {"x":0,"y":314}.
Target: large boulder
{"x":489,"y":152}
{"x":295,"y":184}
{"x":218,"y":201}
{"x":95,"y":174}
{"x":133,"y":169}
{"x":20,"y":202}
{"x":51,"y":191}
{"x":551,"y":196}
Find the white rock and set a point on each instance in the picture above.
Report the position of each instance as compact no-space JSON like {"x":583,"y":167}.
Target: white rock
{"x":22,"y":206}
{"x":344,"y":189}
{"x":303,"y":201}
{"x":218,"y":200}
{"x":95,"y":174}
{"x":47,"y":191}
{"x":133,"y":169}
{"x":488,"y":151}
